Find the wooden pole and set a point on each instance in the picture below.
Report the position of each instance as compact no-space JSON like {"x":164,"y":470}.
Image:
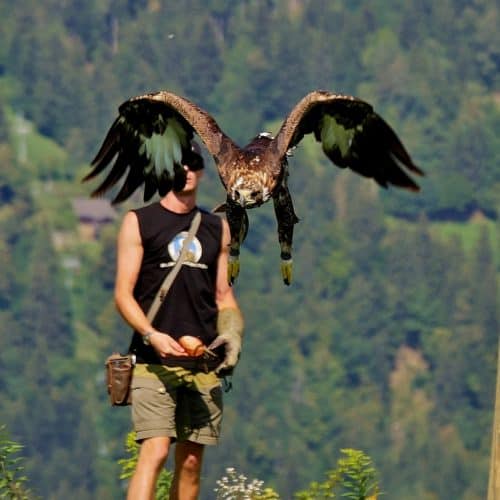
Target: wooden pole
{"x":494,"y":480}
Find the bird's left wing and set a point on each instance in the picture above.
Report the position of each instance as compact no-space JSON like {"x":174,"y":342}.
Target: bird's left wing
{"x":149,"y":141}
{"x":352,"y":135}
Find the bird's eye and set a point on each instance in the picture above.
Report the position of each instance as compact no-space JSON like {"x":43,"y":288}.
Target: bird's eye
{"x":255,"y":193}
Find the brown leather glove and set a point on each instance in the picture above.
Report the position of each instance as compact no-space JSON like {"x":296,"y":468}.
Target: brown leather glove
{"x":230,"y":335}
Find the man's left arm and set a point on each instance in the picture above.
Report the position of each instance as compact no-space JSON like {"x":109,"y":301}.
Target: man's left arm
{"x":229,"y":320}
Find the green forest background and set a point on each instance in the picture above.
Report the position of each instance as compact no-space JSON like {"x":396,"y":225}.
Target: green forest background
{"x":387,"y":339}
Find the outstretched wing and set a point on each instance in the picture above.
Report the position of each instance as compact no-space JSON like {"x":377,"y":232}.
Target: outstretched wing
{"x":149,"y":141}
{"x":352,"y":135}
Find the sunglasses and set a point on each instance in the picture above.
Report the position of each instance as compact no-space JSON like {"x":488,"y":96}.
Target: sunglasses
{"x":193,"y":161}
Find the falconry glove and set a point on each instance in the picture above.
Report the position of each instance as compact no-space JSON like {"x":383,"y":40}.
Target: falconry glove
{"x":230,"y":335}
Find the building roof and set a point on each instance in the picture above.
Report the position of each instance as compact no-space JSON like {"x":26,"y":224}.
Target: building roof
{"x":95,"y":210}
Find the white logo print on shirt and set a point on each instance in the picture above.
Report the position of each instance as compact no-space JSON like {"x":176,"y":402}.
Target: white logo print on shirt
{"x":193,"y":254}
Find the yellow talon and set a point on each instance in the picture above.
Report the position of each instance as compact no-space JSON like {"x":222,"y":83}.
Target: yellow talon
{"x":233,"y":268}
{"x":286,"y":270}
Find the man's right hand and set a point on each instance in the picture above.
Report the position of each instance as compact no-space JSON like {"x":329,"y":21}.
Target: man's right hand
{"x":165,"y":345}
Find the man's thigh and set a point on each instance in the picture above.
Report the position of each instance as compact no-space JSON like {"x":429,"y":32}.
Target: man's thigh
{"x":199,"y":414}
{"x":153,"y":408}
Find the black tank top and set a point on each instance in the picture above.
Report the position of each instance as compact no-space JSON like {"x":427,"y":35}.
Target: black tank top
{"x":189,"y":307}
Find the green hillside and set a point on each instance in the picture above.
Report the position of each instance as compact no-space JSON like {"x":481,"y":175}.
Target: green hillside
{"x":385,"y":341}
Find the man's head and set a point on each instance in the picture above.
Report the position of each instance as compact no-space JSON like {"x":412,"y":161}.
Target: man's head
{"x":193,"y":165}
{"x":194,"y":159}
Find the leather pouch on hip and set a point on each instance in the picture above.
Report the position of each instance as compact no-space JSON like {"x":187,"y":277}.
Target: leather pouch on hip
{"x":119,"y":369}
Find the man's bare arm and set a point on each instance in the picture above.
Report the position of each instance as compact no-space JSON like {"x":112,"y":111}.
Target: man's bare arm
{"x":229,"y":318}
{"x":129,"y":258}
{"x":224,"y":295}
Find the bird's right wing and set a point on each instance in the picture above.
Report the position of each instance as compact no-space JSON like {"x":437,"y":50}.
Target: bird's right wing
{"x":351,"y":135}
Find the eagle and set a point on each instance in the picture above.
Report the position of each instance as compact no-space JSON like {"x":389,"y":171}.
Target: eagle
{"x":152,"y":137}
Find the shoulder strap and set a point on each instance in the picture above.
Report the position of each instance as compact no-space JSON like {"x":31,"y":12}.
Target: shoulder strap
{"x":169,"y":279}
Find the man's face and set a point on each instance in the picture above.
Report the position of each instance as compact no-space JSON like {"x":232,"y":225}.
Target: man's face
{"x":192,"y":179}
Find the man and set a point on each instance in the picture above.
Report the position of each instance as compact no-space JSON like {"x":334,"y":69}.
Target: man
{"x":173,"y":398}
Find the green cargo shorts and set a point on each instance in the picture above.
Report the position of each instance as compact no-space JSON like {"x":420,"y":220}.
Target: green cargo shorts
{"x":177,"y":403}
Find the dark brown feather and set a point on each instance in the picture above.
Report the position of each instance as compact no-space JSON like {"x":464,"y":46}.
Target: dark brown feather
{"x":117,"y":171}
{"x":375,"y":150}
{"x":352,"y":136}
{"x":107,"y":151}
{"x":132,"y":182}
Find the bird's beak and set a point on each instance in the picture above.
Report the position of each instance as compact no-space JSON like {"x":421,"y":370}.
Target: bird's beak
{"x":244,"y":198}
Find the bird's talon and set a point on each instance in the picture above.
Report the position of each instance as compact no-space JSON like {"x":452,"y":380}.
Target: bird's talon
{"x":233,"y":268}
{"x":209,"y":353}
{"x":286,"y":270}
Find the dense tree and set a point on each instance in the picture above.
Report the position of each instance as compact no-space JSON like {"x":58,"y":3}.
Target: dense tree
{"x":386,"y":339}
{"x":44,"y":310}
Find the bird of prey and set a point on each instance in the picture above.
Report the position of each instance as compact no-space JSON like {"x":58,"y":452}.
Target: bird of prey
{"x":151,"y":139}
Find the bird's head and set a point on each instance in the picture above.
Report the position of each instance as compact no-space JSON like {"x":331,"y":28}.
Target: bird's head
{"x":250,"y":178}
{"x":249,"y":193}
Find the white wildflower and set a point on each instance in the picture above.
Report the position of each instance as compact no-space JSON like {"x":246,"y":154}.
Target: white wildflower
{"x":234,"y":486}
